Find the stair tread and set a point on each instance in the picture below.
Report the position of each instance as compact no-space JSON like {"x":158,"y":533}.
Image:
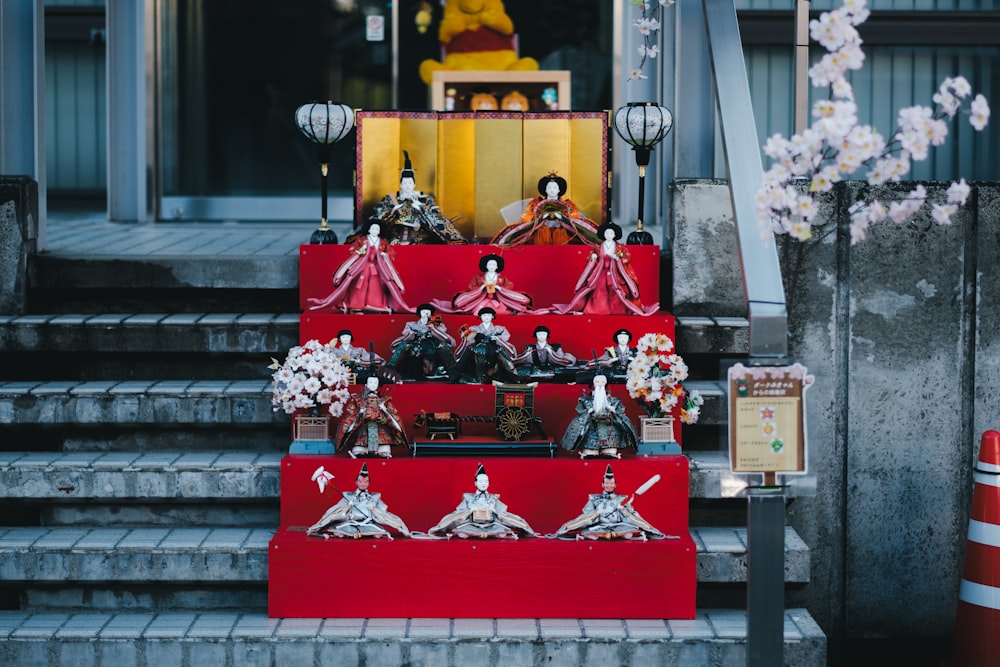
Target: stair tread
{"x":226,"y":554}
{"x":182,"y":474}
{"x":708,"y":625}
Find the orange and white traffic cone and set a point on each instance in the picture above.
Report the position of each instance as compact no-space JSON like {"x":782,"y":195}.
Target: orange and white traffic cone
{"x":977,"y":626}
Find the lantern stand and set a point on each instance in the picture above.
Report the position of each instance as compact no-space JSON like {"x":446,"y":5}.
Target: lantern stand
{"x":324,"y":125}
{"x":642,"y":125}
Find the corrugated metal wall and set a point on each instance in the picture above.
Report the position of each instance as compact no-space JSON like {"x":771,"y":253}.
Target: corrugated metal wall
{"x":75,"y":97}
{"x":892,"y":78}
{"x":75,"y":117}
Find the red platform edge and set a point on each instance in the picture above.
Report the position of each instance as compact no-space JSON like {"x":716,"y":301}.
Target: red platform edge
{"x":547,"y":273}
{"x":554,"y":404}
{"x":527,"y":578}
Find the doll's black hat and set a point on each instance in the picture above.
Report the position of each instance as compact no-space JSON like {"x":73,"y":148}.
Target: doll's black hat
{"x":426,"y":306}
{"x":541,"y":327}
{"x":407,"y":167}
{"x":551,"y":176}
{"x":345,"y":332}
{"x":480,"y":470}
{"x":486,"y":309}
{"x":608,"y":473}
{"x":486,"y":258}
{"x":613,"y":227}
{"x":614,"y":338}
{"x":364,"y":470}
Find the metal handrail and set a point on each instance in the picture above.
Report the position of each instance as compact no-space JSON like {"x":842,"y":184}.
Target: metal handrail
{"x":762,"y":284}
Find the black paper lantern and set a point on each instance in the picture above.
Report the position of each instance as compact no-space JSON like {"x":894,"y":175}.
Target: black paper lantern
{"x":642,"y":125}
{"x":324,"y":125}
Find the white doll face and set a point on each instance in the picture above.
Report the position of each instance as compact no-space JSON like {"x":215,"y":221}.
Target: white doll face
{"x":491,"y":265}
{"x":363,"y":482}
{"x":609,"y":235}
{"x":406,"y":185}
{"x":542,"y":336}
{"x":345,"y":340}
{"x":372,"y":384}
{"x":486,"y":318}
{"x":600,"y":382}
{"x":622,"y":339}
{"x":374,"y":229}
{"x":482,"y":482}
{"x":552,"y":189}
{"x":425,"y":314}
{"x":609,"y":484}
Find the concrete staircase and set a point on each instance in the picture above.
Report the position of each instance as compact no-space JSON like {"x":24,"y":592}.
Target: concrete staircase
{"x":139,"y":467}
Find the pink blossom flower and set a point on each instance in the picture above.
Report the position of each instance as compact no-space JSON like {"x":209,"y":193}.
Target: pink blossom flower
{"x":980,"y":112}
{"x":958,"y":192}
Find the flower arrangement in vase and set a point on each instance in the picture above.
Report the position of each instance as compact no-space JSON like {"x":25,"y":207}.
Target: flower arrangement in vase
{"x":654,"y":379}
{"x":311,"y":380}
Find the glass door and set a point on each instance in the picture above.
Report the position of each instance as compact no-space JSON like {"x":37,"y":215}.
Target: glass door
{"x":232,"y":73}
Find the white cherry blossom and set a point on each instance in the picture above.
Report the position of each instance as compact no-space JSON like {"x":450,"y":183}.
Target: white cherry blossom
{"x":835,"y":146}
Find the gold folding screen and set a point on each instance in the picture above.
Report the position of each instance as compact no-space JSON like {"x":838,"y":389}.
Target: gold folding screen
{"x":477,"y":163}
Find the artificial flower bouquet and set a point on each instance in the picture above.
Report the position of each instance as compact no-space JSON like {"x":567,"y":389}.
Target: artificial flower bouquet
{"x":310,"y":380}
{"x":654,"y":379}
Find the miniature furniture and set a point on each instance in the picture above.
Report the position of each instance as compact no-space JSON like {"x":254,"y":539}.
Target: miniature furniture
{"x":531,"y":84}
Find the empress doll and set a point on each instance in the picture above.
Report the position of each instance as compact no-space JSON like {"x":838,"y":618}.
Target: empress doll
{"x":489,"y":288}
{"x":549,"y":219}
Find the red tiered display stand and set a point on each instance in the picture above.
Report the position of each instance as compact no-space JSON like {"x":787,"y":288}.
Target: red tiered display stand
{"x":547,"y":273}
{"x":525,"y":578}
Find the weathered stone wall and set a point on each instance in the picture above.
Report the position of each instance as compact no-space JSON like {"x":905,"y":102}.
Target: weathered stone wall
{"x":18,"y":233}
{"x":901,"y":332}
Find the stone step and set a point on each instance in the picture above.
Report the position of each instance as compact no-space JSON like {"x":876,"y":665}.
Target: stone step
{"x":226,"y":555}
{"x":712,"y":335}
{"x":183,"y":402}
{"x":130,"y":346}
{"x":251,"y":333}
{"x":215,"y":333}
{"x":131,"y":402}
{"x":108,"y":477}
{"x":712,"y":638}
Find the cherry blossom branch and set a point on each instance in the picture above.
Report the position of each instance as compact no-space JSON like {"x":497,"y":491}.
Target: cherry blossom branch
{"x":648,"y":25}
{"x":836,"y":145}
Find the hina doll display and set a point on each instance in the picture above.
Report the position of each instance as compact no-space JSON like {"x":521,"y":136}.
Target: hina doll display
{"x":614,"y":359}
{"x":482,"y":515}
{"x":359,"y":514}
{"x":360,"y":361}
{"x":600,"y":427}
{"x":608,"y":284}
{"x":549,"y":219}
{"x":608,"y":516}
{"x":411,"y":216}
{"x":367,"y":281}
{"x":542,"y":359}
{"x":370,"y":425}
{"x":484,"y":353}
{"x":489,"y":288}
{"x":424,"y":349}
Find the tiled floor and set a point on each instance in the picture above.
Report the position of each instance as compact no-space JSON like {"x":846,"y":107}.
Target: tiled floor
{"x":92,"y":234}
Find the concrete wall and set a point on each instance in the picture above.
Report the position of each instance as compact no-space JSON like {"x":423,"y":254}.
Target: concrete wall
{"x":18,"y":236}
{"x":902,"y":333}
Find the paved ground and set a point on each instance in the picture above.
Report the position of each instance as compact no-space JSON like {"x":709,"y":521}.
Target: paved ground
{"x":91,"y":234}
